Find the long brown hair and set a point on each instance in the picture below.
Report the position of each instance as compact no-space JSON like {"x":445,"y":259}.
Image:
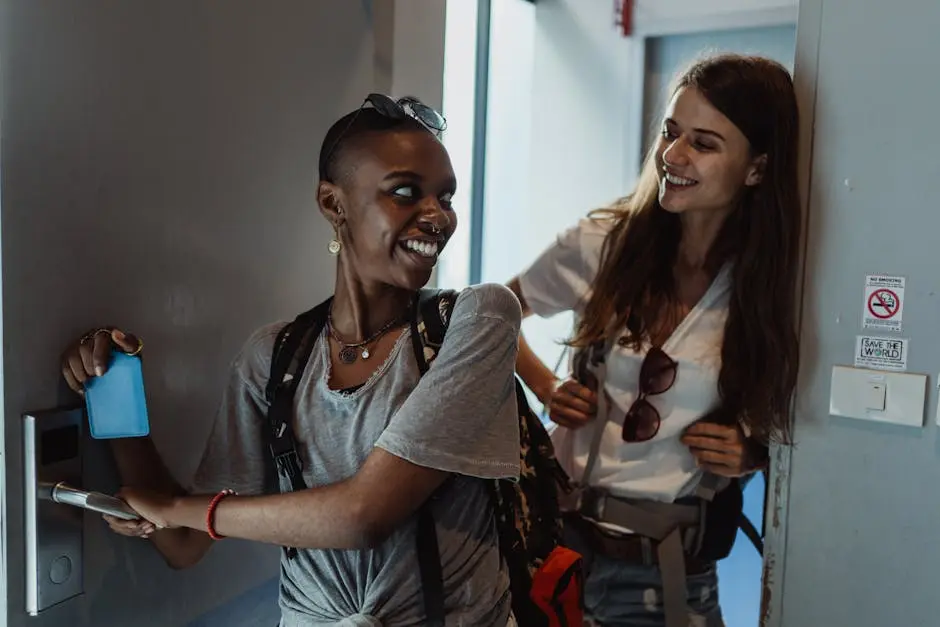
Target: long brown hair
{"x":761,"y":237}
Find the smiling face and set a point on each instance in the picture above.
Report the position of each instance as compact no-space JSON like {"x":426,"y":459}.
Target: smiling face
{"x":703,"y":160}
{"x":391,"y":208}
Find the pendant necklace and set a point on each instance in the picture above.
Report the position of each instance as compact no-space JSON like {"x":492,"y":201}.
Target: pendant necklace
{"x":349,"y":352}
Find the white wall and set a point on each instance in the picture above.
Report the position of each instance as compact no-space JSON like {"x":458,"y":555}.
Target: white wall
{"x":672,"y":9}
{"x":661,"y":16}
{"x":863,"y":513}
{"x":453,"y":268}
{"x":510,"y":121}
{"x":158,"y":172}
{"x":554,"y":140}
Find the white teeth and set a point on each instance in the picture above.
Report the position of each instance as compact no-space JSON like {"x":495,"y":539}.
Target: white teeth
{"x":425,"y":249}
{"x":678,"y":180}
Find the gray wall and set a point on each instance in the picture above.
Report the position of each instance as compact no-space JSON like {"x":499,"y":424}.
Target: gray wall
{"x":863,"y":513}
{"x":158,"y":171}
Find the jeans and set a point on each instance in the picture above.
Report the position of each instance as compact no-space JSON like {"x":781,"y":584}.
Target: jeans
{"x":626,"y":594}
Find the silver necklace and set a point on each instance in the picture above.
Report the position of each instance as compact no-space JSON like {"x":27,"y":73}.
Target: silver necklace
{"x":349,"y":352}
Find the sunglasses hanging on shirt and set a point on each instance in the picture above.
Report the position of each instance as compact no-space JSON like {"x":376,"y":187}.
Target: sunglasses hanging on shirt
{"x":657,"y":375}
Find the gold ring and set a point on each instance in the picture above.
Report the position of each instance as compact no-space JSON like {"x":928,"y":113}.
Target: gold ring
{"x":140,"y":347}
{"x":93,"y":334}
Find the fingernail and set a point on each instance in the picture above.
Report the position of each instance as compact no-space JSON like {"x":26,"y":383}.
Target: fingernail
{"x":99,"y":371}
{"x":119,"y":335}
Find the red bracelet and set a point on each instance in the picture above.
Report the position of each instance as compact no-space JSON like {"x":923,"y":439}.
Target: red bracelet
{"x":210,"y":513}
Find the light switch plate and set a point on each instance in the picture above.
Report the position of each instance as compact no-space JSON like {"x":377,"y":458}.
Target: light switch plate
{"x":852,"y":393}
{"x":877,"y":394}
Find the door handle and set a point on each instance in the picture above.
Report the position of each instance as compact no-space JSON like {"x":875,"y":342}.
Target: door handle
{"x":65,"y":494}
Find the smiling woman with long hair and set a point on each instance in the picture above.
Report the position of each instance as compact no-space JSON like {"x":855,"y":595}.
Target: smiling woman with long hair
{"x":686,"y":350}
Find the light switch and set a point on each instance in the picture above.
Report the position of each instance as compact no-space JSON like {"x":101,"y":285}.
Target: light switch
{"x":892,"y":397}
{"x":876,"y":394}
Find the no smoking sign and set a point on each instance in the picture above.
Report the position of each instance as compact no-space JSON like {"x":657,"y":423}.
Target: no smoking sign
{"x":884,"y":302}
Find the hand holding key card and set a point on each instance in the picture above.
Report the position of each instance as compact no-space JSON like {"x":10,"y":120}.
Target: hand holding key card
{"x":115,"y":401}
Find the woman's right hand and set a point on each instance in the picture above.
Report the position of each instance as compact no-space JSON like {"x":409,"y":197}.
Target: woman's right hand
{"x":130,"y":528}
{"x":88,"y":356}
{"x":571,"y":404}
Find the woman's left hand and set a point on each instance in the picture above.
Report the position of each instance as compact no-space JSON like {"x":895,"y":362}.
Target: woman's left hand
{"x":721,"y":449}
{"x":150,"y":505}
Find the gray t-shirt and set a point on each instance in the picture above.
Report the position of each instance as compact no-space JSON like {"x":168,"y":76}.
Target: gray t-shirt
{"x":460,"y":417}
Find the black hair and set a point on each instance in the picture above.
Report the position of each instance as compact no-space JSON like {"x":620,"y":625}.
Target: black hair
{"x":350,"y":129}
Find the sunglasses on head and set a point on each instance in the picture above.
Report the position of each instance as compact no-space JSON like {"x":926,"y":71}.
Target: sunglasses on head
{"x":657,"y":375}
{"x":401,"y":109}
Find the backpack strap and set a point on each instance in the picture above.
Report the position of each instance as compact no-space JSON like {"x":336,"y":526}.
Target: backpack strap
{"x":752,"y":533}
{"x":428,"y":327}
{"x":292,"y":349}
{"x":598,"y":355}
{"x":708,"y":486}
{"x":745,"y":524}
{"x":429,"y":565}
{"x":433,"y":309}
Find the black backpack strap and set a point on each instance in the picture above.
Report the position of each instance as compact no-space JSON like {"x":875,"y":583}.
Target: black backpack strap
{"x":292,"y":350}
{"x":428,"y":326}
{"x":746,"y":525}
{"x":429,"y":564}
{"x":751,"y":532}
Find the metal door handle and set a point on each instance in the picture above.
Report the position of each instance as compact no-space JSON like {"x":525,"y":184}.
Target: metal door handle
{"x":95,"y":501}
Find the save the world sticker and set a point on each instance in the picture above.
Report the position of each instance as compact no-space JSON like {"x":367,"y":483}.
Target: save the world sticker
{"x":881,"y":353}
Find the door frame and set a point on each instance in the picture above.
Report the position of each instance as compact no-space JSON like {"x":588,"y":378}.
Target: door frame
{"x":805,"y":78}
